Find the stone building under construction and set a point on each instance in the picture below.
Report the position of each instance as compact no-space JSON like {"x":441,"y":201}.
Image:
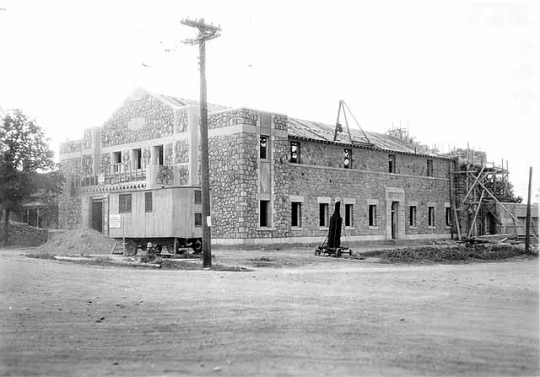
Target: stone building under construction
{"x":275,"y":179}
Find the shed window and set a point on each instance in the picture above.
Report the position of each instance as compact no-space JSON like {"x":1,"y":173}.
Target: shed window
{"x":198,"y":197}
{"x":295,"y":152}
{"x":198,"y":219}
{"x":148,"y":201}
{"x":124,"y":203}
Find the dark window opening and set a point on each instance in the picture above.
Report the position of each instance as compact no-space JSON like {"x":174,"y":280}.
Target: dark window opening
{"x":347,"y":158}
{"x":430,"y":168}
{"x":264,"y":219}
{"x":148,"y":202}
{"x":198,"y":219}
{"x":448,"y":217}
{"x":124,"y":203}
{"x":296,"y":214}
{"x":263,"y":148}
{"x":117,"y":160}
{"x":391,"y":163}
{"x":372,"y":215}
{"x":412,"y":216}
{"x":158,"y":155}
{"x":137,"y":158}
{"x":431,"y":216}
{"x":295,"y":152}
{"x":348,"y":215}
{"x":323,"y":214}
{"x":198,"y":197}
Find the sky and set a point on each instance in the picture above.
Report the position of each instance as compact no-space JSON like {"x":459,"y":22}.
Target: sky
{"x":455,"y":73}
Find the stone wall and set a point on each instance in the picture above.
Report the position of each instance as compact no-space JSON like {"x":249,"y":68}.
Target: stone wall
{"x":143,"y":119}
{"x":182,"y":151}
{"x":72,"y":146}
{"x":231,"y":118}
{"x":330,"y":155}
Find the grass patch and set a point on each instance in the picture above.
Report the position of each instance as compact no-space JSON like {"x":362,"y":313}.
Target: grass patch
{"x":450,"y":254}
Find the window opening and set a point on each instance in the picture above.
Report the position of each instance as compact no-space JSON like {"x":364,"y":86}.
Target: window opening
{"x":323,"y":214}
{"x":296,"y":214}
{"x":348,"y":215}
{"x":347,"y":158}
{"x":263,"y":147}
{"x":430,"y":168}
{"x":391,"y":163}
{"x":124,"y":205}
{"x":431,"y":216}
{"x":412,"y":216}
{"x":148,"y":201}
{"x":372,"y":215}
{"x":264,"y":219}
{"x":295,"y":152}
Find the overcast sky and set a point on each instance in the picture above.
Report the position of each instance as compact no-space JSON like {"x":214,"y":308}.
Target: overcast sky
{"x":456,"y":73}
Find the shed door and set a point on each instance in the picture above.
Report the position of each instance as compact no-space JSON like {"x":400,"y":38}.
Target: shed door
{"x":97,"y":215}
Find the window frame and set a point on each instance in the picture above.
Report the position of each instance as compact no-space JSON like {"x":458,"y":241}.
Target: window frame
{"x":123,"y":203}
{"x":148,"y":208}
{"x":296,"y":214}
{"x":266,"y":220}
{"x":295,"y":160}
{"x":429,"y":167}
{"x":348,"y":151}
{"x":265,"y":148}
{"x":413,"y":210}
{"x":324,"y":215}
{"x":372,"y":216}
{"x":392,"y":163}
{"x":431,"y":216}
{"x":349,"y":215}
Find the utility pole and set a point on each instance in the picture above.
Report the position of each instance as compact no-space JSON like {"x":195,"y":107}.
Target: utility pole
{"x":206,"y":32}
{"x":528,"y":220}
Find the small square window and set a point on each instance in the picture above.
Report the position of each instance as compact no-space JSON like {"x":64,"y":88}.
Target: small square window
{"x":198,"y":219}
{"x":124,"y":203}
{"x":198,"y":197}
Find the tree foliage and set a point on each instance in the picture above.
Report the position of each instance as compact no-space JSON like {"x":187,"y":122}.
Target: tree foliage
{"x":24,"y":152}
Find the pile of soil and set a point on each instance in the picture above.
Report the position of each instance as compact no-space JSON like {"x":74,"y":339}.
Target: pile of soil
{"x":78,"y":242}
{"x":22,"y":234}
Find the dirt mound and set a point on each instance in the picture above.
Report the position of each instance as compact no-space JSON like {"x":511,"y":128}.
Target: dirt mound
{"x":22,"y":234}
{"x":78,"y":242}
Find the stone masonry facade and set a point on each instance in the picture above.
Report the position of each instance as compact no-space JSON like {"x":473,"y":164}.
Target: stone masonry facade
{"x":256,"y":197}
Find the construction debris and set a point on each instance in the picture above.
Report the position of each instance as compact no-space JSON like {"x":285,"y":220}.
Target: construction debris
{"x":78,"y":242}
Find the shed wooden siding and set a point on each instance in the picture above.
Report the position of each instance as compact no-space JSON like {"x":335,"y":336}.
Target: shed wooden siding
{"x":173,"y":214}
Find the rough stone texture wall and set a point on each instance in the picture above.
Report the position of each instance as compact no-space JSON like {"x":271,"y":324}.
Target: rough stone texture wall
{"x":71,"y":147}
{"x":144,"y":119}
{"x":181,"y":121}
{"x":165,"y":175}
{"x":87,"y":139}
{"x":182,"y":151}
{"x":105,"y":163}
{"x":71,"y":166}
{"x":233,"y":183}
{"x":168,"y":154}
{"x":87,"y":165}
{"x":311,"y":182}
{"x":183,"y":175}
{"x":370,"y":160}
{"x":231,"y":118}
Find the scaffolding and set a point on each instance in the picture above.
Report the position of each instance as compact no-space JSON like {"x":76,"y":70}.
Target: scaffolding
{"x":482,"y":198}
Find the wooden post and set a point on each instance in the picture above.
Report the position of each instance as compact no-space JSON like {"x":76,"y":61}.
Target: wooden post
{"x":528,"y":220}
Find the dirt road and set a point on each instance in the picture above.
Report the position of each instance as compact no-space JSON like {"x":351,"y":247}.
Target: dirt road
{"x":328,"y":317}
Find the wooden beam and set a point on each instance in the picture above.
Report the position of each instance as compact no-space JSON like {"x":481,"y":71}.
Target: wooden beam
{"x":473,"y":186}
{"x":476,"y":213}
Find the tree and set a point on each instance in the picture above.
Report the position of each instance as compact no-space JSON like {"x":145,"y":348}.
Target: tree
{"x":23,"y":153}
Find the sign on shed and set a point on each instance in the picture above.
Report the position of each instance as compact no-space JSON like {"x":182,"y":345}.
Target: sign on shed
{"x":115,"y":221}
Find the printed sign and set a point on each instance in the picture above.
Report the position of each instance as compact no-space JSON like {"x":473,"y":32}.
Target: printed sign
{"x":115,"y":221}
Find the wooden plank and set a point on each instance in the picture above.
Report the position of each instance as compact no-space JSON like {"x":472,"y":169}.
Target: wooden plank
{"x":476,"y":213}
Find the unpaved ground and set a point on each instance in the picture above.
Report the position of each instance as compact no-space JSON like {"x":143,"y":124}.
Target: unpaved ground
{"x":323,"y":317}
